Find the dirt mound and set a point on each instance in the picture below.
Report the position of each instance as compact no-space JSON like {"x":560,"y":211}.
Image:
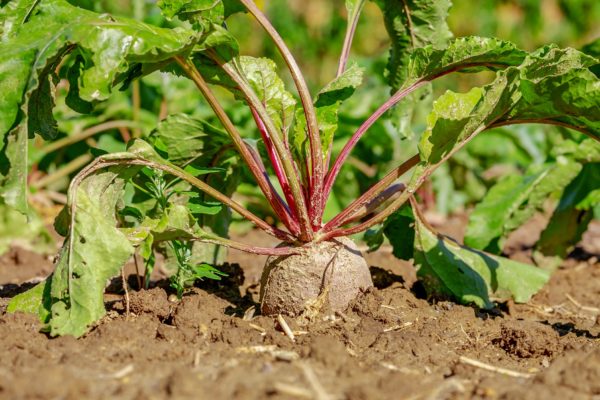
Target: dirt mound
{"x":525,"y":339}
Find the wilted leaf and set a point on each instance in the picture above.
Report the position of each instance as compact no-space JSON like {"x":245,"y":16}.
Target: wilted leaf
{"x":95,"y":249}
{"x":95,"y":252}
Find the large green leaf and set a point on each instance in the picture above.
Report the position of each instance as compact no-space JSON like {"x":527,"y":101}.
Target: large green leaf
{"x":472,"y":276}
{"x":112,"y":45}
{"x":556,"y":86}
{"x":465,"y":54}
{"x":552,"y":86}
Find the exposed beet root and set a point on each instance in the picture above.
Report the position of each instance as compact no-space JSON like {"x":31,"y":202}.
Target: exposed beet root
{"x":334,"y":268}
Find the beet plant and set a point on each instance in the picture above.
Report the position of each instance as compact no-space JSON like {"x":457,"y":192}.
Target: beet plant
{"x":185,"y":165}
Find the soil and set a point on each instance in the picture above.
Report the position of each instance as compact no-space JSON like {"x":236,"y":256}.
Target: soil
{"x":389,"y":344}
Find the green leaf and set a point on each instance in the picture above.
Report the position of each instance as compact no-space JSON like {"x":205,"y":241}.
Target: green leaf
{"x":552,"y":86}
{"x":193,"y":10}
{"x":327,"y":104}
{"x":472,"y":276}
{"x":341,"y":88}
{"x":452,"y":113}
{"x":412,"y":24}
{"x":94,"y":251}
{"x":465,"y":54}
{"x":205,"y":207}
{"x":261,"y":74}
{"x":207,"y":271}
{"x":13,"y":15}
{"x":184,"y":138}
{"x":28,"y":59}
{"x":572,"y":215}
{"x":34,"y":301}
{"x":400,"y":230}
{"x":512,"y":201}
{"x":556,"y":86}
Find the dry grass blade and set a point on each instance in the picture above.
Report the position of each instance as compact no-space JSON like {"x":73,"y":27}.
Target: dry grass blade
{"x":593,"y":310}
{"x":397,"y":327}
{"x":123,"y":372}
{"x":286,"y":328}
{"x":291,"y":390}
{"x":491,"y":368}
{"x":249,"y":313}
{"x":274,"y":351}
{"x":258,"y":328}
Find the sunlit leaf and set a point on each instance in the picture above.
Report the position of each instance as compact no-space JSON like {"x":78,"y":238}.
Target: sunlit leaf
{"x":472,"y":276}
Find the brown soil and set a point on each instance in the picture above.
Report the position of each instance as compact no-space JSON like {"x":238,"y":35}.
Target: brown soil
{"x":389,"y":343}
